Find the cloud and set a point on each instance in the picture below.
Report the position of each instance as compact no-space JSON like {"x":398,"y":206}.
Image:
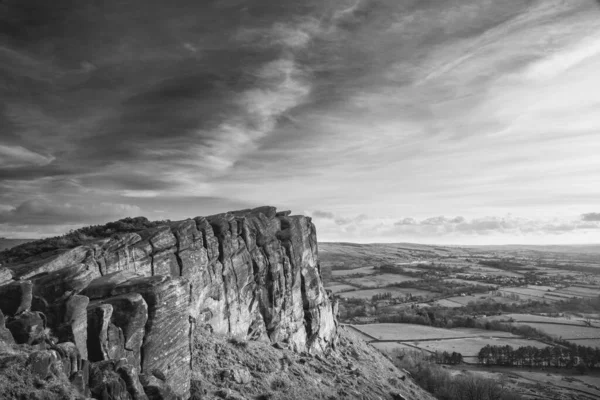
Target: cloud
{"x":14,"y":156}
{"x":590,"y":217}
{"x":353,"y":106}
{"x":458,"y":230}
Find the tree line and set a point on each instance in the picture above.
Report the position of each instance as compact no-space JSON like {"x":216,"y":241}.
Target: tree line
{"x":565,"y":356}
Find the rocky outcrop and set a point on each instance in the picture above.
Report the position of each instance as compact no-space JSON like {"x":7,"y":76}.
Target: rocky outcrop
{"x":138,"y":296}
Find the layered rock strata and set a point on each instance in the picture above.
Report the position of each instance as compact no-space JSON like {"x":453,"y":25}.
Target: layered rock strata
{"x":136,"y":297}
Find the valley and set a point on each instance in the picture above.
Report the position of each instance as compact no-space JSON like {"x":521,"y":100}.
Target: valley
{"x":449,"y":305}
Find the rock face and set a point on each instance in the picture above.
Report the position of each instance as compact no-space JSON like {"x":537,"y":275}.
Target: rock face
{"x":137,"y":297}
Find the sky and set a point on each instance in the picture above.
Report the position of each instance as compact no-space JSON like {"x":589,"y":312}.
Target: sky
{"x":428,"y":121}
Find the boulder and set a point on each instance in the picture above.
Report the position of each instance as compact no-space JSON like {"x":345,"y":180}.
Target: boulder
{"x":42,"y":363}
{"x":69,"y":356}
{"x":156,"y":389}
{"x":28,"y":327}
{"x":74,"y":325}
{"x":105,"y":383}
{"x":5,"y":335}
{"x":130,"y":376}
{"x":6,"y":275}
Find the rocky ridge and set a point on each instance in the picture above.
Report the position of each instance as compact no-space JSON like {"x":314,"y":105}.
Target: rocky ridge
{"x":118,"y":315}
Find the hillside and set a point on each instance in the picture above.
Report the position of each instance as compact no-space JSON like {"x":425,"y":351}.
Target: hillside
{"x":163,"y":310}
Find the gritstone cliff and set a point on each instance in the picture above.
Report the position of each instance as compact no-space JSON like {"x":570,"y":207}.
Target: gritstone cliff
{"x":143,"y":311}
{"x":138,"y":296}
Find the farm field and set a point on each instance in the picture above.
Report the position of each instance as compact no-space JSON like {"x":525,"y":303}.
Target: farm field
{"x":395,"y":291}
{"x":565,"y":330}
{"x":337,"y":287}
{"x":379,"y":280}
{"x":530,"y":294}
{"x":464,"y":300}
{"x":579,"y":291}
{"x":448,"y":303}
{"x":539,"y":318}
{"x":355,"y":271}
{"x":411,"y":332}
{"x":466,"y":282}
{"x":470,"y":347}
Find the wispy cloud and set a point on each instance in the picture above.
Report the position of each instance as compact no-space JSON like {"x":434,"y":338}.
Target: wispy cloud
{"x":373,"y":108}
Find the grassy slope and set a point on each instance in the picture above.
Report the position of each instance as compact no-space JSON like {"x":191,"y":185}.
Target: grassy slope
{"x":354,"y":370}
{"x":17,"y":382}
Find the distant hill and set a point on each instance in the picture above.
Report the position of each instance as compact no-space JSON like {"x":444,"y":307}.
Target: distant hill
{"x":8,"y":243}
{"x":570,"y":248}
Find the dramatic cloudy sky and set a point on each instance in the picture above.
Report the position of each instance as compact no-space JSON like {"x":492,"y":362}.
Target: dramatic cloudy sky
{"x":437,"y":121}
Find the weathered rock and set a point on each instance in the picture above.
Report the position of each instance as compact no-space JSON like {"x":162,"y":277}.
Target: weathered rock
{"x":16,"y":297}
{"x":166,"y":344}
{"x":300,"y":240}
{"x":27,"y":327}
{"x":102,"y":286}
{"x":55,"y":295}
{"x":157,"y":389}
{"x":80,"y":379}
{"x":5,"y":334}
{"x":53,"y":263}
{"x":193,"y":259}
{"x":6,"y":276}
{"x":74,"y":325}
{"x":130,"y":314}
{"x":125,"y":252}
{"x":241,"y":376}
{"x":69,"y":356}
{"x":130,"y":376}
